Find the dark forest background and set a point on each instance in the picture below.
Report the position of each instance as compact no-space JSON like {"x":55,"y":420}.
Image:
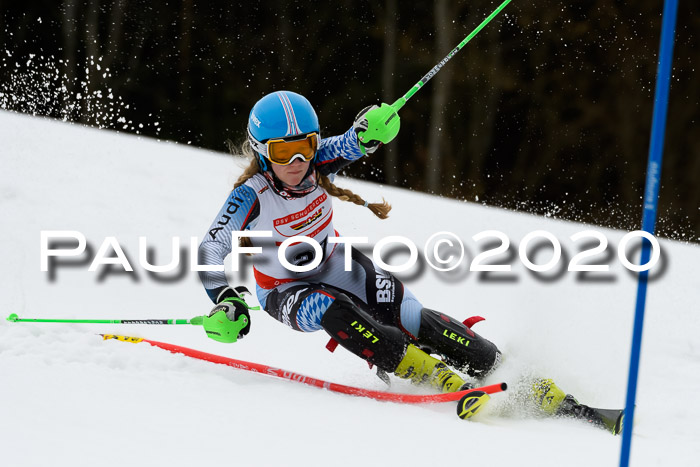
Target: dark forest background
{"x":548,"y":110}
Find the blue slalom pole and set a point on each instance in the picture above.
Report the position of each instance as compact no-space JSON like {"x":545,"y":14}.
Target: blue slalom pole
{"x":651,"y":196}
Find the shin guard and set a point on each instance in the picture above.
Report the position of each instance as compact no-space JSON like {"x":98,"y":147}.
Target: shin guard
{"x":460,"y":347}
{"x":362,"y":335}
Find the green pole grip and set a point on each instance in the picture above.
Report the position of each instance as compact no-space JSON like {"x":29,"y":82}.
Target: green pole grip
{"x":222,"y":329}
{"x":400,"y":102}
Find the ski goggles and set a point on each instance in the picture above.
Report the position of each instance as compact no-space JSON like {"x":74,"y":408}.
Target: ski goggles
{"x":284,"y":151}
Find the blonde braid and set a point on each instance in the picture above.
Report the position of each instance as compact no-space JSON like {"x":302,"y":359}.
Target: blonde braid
{"x":381,"y":210}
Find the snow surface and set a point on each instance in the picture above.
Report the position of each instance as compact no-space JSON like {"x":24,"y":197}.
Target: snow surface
{"x":69,"y":398}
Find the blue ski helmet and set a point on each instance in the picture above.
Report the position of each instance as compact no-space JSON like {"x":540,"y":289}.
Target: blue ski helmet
{"x":280,"y":114}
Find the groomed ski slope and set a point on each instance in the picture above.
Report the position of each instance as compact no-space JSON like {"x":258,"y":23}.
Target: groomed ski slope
{"x":68,"y":398}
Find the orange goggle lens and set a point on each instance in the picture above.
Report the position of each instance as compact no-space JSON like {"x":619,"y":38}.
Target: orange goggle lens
{"x":284,"y":152}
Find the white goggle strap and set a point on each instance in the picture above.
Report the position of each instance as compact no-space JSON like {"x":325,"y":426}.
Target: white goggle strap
{"x":257,"y":145}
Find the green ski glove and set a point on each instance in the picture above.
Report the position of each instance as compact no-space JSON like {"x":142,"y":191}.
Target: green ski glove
{"x":229,"y":320}
{"x":375,"y":126}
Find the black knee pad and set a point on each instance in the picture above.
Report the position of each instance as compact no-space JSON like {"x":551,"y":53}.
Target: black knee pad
{"x":461,"y":347}
{"x":364,"y":336}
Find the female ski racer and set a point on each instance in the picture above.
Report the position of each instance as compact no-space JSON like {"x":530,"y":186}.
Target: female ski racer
{"x":285,"y":192}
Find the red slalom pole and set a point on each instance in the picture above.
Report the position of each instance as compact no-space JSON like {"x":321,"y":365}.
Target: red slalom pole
{"x":319,"y":383}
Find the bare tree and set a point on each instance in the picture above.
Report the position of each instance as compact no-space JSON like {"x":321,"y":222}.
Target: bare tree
{"x":391,"y":170}
{"x":70,"y":55}
{"x":115,"y":32}
{"x":482,"y":116}
{"x":185,"y":46}
{"x":439,"y":101}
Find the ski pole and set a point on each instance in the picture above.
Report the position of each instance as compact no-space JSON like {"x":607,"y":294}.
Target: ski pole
{"x":384,"y":116}
{"x":402,"y":100}
{"x":197,"y":320}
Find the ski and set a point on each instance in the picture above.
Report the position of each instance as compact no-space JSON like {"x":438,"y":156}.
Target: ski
{"x":299,"y":378}
{"x":609,"y":419}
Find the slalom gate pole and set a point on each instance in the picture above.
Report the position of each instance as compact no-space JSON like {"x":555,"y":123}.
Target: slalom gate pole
{"x":299,"y":378}
{"x":651,"y":197}
{"x":402,"y":100}
{"x":196,"y":321}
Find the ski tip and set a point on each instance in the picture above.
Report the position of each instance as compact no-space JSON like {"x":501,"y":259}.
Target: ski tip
{"x":13,"y":318}
{"x":619,"y":423}
{"x":504,"y":386}
{"x":132,"y":340}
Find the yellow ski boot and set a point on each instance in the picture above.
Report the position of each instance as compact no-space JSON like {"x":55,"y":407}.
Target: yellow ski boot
{"x":553,"y":401}
{"x":547,"y":395}
{"x":422,"y":368}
